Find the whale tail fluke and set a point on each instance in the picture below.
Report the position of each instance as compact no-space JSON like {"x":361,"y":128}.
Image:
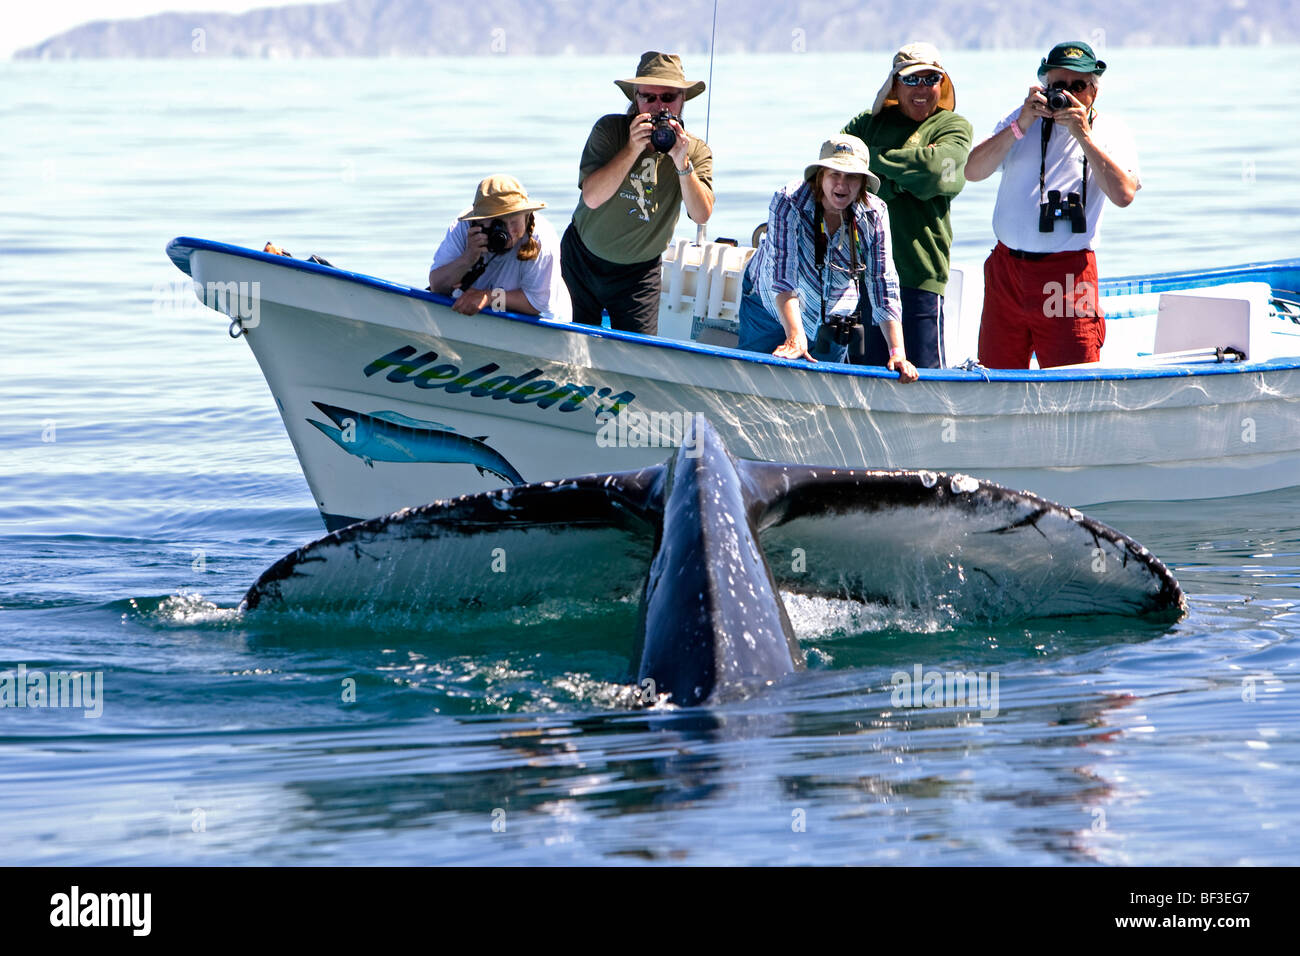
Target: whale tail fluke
{"x":709,"y":542}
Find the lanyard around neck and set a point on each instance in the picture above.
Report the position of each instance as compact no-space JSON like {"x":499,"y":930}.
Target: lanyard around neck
{"x":1042,"y":162}
{"x":820,"y":243}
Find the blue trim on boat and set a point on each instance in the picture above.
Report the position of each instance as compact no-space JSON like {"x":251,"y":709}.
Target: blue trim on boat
{"x":181,"y":248}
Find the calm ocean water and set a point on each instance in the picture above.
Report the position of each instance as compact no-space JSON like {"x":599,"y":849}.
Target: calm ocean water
{"x":147,"y":481}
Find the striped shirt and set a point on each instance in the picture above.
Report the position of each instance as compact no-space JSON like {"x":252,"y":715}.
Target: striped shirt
{"x":786,"y":260}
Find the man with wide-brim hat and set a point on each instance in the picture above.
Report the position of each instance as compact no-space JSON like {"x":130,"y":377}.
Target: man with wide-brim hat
{"x":824,"y":275}
{"x":501,"y":255}
{"x":1060,"y":162}
{"x":918,"y":149}
{"x":632,"y":194}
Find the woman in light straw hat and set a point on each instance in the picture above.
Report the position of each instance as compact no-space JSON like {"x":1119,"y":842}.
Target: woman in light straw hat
{"x":827,"y":243}
{"x":632,"y":193}
{"x":474,"y":262}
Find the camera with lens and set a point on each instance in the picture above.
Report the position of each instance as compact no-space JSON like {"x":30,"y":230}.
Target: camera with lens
{"x":663,"y":137}
{"x":1070,"y":209}
{"x":1057,"y":100}
{"x":498,"y":236}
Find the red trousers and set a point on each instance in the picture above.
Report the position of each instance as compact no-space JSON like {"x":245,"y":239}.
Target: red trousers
{"x":1049,"y":306}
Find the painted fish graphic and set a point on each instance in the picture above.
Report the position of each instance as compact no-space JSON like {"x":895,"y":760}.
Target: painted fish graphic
{"x":392,"y":436}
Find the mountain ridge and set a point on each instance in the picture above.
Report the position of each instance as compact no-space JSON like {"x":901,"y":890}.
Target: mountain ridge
{"x":549,"y":27}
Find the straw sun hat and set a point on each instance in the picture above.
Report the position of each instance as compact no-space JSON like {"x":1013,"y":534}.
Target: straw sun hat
{"x":500,"y":195}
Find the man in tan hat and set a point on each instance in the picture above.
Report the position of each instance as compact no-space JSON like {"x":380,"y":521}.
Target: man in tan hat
{"x":918,"y":149}
{"x":634,"y":179}
{"x":500,"y":255}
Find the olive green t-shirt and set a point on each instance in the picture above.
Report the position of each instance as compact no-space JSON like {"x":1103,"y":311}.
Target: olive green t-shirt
{"x":637,"y":222}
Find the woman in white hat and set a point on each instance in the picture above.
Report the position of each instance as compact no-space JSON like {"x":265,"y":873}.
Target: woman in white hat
{"x":501,"y":255}
{"x":827,"y":243}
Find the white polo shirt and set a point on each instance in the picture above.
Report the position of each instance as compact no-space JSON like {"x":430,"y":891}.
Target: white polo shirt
{"x":539,"y":278}
{"x":1015,"y":215}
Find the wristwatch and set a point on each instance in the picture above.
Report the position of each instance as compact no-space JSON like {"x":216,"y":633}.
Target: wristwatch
{"x":690,"y":168}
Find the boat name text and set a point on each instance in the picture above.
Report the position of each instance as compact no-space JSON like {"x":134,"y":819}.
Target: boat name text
{"x":404,"y":365}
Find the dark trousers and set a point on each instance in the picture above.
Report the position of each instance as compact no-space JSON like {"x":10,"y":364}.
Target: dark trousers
{"x":629,"y":293}
{"x":922,"y":332}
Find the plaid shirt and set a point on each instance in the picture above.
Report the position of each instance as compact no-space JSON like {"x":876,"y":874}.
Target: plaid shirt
{"x":786,"y":260}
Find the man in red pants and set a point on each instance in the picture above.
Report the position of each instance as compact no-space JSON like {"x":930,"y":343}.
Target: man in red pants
{"x":1060,"y":162}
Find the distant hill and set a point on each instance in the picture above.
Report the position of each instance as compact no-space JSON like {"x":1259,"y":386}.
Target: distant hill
{"x":458,"y":27}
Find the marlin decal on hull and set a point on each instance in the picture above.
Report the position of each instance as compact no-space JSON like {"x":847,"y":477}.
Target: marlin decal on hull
{"x":707,"y":541}
{"x":392,"y":436}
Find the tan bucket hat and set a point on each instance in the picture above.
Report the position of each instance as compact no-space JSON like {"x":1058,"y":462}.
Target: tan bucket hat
{"x":660,"y":69}
{"x":500,"y":195}
{"x":848,"y":154}
{"x":916,"y":58}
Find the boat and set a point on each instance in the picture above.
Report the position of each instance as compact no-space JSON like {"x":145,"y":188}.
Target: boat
{"x":393,"y":400}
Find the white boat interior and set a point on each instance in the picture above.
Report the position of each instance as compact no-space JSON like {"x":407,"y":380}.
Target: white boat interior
{"x":701,"y":298}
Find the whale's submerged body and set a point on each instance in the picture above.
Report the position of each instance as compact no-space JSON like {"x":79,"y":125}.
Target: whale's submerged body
{"x":710,"y":542}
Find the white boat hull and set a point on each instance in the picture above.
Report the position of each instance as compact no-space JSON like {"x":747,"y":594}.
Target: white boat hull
{"x":1081,"y":436}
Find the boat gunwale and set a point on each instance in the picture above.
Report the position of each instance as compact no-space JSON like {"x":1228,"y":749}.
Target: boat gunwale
{"x":180,"y":249}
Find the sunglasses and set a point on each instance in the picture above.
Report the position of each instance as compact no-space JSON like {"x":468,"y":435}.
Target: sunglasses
{"x":664,"y":98}
{"x":922,"y":79}
{"x":1078,"y":86}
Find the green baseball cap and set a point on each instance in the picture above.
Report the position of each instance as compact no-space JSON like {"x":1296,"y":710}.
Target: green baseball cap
{"x":1072,"y":55}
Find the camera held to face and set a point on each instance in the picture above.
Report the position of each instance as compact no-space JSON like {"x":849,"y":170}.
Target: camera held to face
{"x":498,"y":236}
{"x":1057,"y":100}
{"x":663,"y":137}
{"x":1070,"y":209}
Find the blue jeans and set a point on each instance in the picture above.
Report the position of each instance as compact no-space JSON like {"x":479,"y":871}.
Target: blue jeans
{"x":761,"y":332}
{"x":922,"y":332}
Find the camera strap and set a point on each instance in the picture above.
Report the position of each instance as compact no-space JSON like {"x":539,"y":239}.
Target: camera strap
{"x":476,"y":270}
{"x":1042,"y":162}
{"x":820,"y":243}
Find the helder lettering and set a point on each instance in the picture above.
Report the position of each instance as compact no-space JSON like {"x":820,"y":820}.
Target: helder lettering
{"x":407,"y":365}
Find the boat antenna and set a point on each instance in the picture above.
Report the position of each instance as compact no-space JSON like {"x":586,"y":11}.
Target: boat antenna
{"x":708,"y":112}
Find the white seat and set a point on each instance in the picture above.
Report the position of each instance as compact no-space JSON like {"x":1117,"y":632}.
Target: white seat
{"x":702,"y":291}
{"x":1227,"y":316}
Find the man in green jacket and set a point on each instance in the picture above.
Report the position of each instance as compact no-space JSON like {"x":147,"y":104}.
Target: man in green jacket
{"x":918,"y":149}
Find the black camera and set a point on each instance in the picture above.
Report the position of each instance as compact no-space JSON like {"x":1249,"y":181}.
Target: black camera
{"x":1055,"y":208}
{"x":498,"y":236}
{"x":663,"y":137}
{"x":1057,"y":100}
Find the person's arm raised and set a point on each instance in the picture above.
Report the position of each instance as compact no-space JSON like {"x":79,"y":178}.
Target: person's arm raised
{"x":600,"y":186}
{"x":988,"y":155}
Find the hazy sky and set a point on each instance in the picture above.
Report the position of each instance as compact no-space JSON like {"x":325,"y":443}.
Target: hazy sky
{"x":31,"y":22}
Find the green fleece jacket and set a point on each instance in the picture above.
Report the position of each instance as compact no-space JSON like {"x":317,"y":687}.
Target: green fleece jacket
{"x":921,"y":167}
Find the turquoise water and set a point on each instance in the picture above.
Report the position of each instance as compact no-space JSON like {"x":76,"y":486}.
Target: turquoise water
{"x":147,"y":482}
